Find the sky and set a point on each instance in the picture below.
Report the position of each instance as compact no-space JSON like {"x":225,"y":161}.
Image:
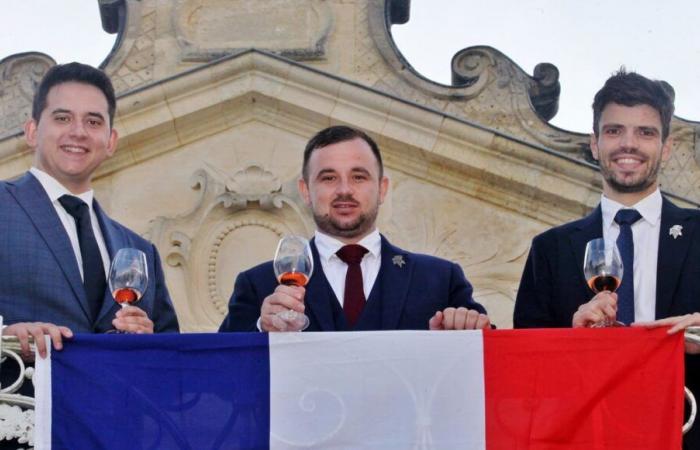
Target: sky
{"x":658,"y":39}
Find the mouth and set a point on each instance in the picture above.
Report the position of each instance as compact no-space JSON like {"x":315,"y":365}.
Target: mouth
{"x":628,"y":162}
{"x":344,"y":207}
{"x":74,"y":149}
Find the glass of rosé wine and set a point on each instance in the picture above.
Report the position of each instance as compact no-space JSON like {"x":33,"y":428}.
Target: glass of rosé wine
{"x":128,"y":276}
{"x":602,"y":267}
{"x":293,"y":266}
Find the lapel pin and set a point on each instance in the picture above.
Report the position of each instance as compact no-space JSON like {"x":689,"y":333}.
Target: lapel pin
{"x":675,"y":231}
{"x":398,"y":260}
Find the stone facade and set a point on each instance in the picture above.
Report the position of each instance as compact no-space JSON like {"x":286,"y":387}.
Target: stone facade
{"x":217,"y":99}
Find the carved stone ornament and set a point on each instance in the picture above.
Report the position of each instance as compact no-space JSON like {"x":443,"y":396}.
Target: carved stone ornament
{"x":16,"y":411}
{"x":20,"y":74}
{"x":209,"y":29}
{"x":235,"y":224}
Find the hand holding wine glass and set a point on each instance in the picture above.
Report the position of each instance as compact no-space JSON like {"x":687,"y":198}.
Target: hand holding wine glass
{"x":602,"y":267}
{"x":293,"y":266}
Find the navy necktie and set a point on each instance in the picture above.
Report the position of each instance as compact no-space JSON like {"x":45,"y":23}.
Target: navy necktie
{"x":93,"y":270}
{"x":625,"y":243}
{"x":354,"y":300}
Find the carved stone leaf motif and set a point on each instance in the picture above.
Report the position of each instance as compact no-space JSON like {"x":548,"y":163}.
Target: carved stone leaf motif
{"x":489,"y":251}
{"x":236,"y":221}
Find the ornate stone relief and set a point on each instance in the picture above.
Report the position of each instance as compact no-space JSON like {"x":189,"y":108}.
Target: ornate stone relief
{"x":209,"y":29}
{"x":20,"y":74}
{"x":235,"y":224}
{"x":16,"y":411}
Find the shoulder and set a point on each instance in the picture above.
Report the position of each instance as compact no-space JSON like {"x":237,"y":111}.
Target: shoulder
{"x":262,"y":271}
{"x":420,"y":259}
{"x":562,"y":231}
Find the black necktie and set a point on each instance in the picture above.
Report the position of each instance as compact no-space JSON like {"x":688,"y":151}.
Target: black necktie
{"x":625,"y":294}
{"x":354,"y":300}
{"x":93,"y":269}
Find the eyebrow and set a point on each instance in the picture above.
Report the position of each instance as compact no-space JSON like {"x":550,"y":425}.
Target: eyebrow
{"x":67,"y":111}
{"x":354,"y":169}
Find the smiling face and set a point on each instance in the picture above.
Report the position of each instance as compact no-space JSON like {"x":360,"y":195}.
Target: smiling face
{"x":344,"y":189}
{"x":630,"y":149}
{"x":72,"y":136}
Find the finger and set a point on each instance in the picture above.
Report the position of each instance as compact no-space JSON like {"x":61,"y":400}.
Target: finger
{"x":483,"y":322}
{"x":56,"y":337}
{"x":472,"y":319}
{"x":37,"y":333}
{"x":448,"y":319}
{"x":460,"y":319}
{"x":286,"y":301}
{"x":22,"y":333}
{"x":435,"y":322}
{"x":278,"y":323}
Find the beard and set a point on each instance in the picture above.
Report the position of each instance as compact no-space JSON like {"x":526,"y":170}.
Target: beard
{"x":619,"y":184}
{"x":358,"y":227}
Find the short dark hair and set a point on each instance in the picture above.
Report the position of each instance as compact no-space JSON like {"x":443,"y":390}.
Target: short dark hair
{"x":632,"y":89}
{"x":333,"y":135}
{"x":73,"y":72}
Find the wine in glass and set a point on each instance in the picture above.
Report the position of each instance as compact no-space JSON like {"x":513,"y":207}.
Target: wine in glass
{"x":128,"y":276}
{"x":293,"y":266}
{"x":602,"y":267}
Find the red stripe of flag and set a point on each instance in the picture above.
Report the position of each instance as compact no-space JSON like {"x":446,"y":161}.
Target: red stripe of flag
{"x":583,"y":389}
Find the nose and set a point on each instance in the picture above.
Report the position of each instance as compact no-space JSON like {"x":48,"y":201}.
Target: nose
{"x":344,"y":186}
{"x":78,"y":129}
{"x":629,"y":139}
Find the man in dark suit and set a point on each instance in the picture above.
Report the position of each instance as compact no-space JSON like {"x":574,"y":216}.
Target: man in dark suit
{"x":380,"y":287}
{"x":56,"y":242}
{"x":661,"y":279}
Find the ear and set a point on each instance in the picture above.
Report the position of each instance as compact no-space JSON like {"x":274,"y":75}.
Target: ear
{"x":112,"y":142}
{"x":304,"y":191}
{"x":666,"y":149}
{"x":30,"y":127}
{"x":383,"y":188}
{"x":594,"y":146}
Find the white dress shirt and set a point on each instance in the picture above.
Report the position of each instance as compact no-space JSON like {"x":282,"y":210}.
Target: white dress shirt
{"x":55,"y":190}
{"x":335,"y":269}
{"x":645,"y":234}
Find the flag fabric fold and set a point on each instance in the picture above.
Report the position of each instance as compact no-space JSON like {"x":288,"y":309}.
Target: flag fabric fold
{"x":497,"y":389}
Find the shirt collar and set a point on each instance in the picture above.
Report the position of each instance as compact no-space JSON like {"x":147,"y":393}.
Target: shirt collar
{"x":327,"y":246}
{"x":54,"y":189}
{"x":649,"y":208}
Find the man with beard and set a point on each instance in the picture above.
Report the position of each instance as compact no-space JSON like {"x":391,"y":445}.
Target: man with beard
{"x":658,"y":241}
{"x":360,"y":280}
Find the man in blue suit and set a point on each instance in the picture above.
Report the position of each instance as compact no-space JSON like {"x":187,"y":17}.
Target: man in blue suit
{"x":661,"y":279}
{"x":56,"y":242}
{"x":380,"y":287}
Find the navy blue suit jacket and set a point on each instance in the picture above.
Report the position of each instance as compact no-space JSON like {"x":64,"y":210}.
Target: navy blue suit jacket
{"x":409,"y":293}
{"x":553,"y":285}
{"x":40,"y":279}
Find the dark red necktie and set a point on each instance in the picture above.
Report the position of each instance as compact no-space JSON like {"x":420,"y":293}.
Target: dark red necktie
{"x":354,"y":287}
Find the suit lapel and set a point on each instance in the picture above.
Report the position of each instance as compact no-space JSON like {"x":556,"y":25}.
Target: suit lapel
{"x":317,"y":298}
{"x":393,"y":280}
{"x":589,"y":228}
{"x":672,"y":254}
{"x":31,"y":196}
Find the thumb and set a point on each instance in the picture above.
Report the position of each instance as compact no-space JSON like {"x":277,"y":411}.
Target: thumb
{"x":435,"y":322}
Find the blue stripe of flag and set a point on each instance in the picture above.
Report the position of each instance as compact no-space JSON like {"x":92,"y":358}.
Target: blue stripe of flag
{"x":195,"y":391}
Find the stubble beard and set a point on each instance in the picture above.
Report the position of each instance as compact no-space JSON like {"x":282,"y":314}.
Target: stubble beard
{"x":629,"y":187}
{"x":358,"y":227}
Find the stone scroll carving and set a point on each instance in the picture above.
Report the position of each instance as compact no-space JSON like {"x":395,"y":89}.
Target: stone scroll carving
{"x":209,"y":29}
{"x":234,"y":225}
{"x":20,"y":74}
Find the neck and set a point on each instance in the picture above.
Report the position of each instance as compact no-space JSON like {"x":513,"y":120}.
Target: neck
{"x":628,"y":198}
{"x":347,"y":240}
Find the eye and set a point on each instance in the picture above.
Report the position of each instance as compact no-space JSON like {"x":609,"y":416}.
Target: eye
{"x":359,"y":177}
{"x":327,"y":178}
{"x":94,"y":122}
{"x":648,"y":132}
{"x":61,"y":118}
{"x":612,"y":131}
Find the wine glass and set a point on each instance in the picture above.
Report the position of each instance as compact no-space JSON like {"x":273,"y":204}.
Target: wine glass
{"x":293,"y":266}
{"x":128,"y":276}
{"x":602,"y":267}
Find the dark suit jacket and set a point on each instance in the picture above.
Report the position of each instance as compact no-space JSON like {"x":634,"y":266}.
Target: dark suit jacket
{"x":553,"y":285}
{"x":40,"y":279}
{"x":409,"y":293}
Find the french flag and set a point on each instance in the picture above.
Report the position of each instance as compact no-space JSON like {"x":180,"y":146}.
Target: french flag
{"x":616,"y":388}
